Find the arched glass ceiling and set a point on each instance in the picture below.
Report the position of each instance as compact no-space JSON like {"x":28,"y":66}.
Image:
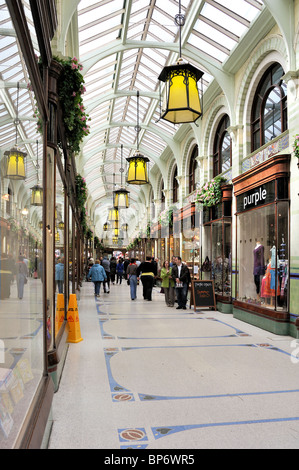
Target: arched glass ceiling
{"x":123,"y":45}
{"x":134,"y":40}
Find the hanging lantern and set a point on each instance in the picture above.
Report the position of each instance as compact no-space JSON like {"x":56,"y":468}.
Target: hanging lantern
{"x":37,"y":196}
{"x":106,"y":227}
{"x":15,"y":164}
{"x":125,"y":227}
{"x":61,"y":225}
{"x":181,"y":100}
{"x":138,"y":171}
{"x":113,"y":214}
{"x":121,"y":199}
{"x":115,"y":224}
{"x":40,"y":225}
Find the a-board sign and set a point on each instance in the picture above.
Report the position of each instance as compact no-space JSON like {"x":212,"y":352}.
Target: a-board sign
{"x":203,"y":294}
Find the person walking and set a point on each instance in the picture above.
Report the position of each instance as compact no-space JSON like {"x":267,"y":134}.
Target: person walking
{"x":98,"y":275}
{"x":149,"y":271}
{"x":181,"y":277}
{"x":119,"y":271}
{"x":106,"y":266}
{"x":132,"y":278}
{"x":168,"y":284}
{"x":112,"y":269}
{"x":59,"y":274}
{"x":22,"y":274}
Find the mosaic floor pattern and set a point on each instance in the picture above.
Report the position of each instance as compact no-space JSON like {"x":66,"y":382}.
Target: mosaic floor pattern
{"x":151,"y":377}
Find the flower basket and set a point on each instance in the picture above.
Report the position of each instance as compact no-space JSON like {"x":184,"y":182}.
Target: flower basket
{"x":296,"y":148}
{"x":210,"y":193}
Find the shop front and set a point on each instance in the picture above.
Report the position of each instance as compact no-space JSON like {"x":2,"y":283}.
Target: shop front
{"x":262,"y":245}
{"x":217,"y":249}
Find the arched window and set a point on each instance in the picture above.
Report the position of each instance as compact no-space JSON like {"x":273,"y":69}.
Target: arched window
{"x":175,"y":186}
{"x":222,"y":152}
{"x":269,"y":110}
{"x":192,"y":169}
{"x":162,"y":194}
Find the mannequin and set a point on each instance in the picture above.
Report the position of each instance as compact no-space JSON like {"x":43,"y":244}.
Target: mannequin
{"x":258,"y":266}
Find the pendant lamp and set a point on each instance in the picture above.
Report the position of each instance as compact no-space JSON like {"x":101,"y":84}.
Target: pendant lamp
{"x":36,"y":196}
{"x":181,"y":102}
{"x":15,"y":159}
{"x":106,"y":227}
{"x":125,"y":227}
{"x":138,"y":171}
{"x":37,"y":190}
{"x":61,"y":225}
{"x":121,"y":196}
{"x":113,"y":215}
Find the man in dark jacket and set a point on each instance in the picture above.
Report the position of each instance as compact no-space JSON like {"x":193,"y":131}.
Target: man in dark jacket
{"x":181,"y":277}
{"x":149,"y":271}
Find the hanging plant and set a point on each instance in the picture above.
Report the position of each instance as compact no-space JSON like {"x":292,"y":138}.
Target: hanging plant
{"x":81,"y":191}
{"x":166,"y":217}
{"x":296,"y":146}
{"x":70,"y":92}
{"x":210,"y":193}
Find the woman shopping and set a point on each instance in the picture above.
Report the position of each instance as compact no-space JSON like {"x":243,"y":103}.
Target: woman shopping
{"x":98,"y":275}
{"x":132,"y":278}
{"x":168,"y":284}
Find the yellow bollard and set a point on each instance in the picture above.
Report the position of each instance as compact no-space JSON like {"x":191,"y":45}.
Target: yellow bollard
{"x":73,"y":321}
{"x":59,"y":316}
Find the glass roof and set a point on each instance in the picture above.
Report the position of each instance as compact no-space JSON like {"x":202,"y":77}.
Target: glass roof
{"x":123,"y":46}
{"x":133,"y":31}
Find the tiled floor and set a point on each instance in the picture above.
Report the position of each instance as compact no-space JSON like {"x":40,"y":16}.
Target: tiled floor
{"x":149,"y":376}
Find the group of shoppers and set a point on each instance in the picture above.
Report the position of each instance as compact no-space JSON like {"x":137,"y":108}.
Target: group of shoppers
{"x":175,"y":282}
{"x":175,"y":277}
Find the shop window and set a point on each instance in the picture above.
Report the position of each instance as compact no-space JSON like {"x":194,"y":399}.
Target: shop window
{"x":263,"y":255}
{"x":222,"y":148}
{"x":269,"y":111}
{"x":192,"y":170}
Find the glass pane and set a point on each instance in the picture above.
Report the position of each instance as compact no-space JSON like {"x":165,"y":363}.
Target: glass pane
{"x":225,"y":152}
{"x":263,"y":260}
{"x":283,"y":255}
{"x":59,"y":254}
{"x":21,"y":307}
{"x":272,"y":116}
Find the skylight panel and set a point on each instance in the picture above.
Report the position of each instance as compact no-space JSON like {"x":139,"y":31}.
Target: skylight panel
{"x":213,"y":34}
{"x":241,"y":7}
{"x":207,"y":48}
{"x":223,"y":19}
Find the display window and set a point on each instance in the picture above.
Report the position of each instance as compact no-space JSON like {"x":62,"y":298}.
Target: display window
{"x":21,"y":305}
{"x":263,"y":256}
{"x":217,"y":245}
{"x":262,"y":236}
{"x":217,"y":255}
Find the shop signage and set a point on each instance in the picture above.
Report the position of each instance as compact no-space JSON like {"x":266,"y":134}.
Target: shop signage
{"x":256,"y":197}
{"x":202,"y":294}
